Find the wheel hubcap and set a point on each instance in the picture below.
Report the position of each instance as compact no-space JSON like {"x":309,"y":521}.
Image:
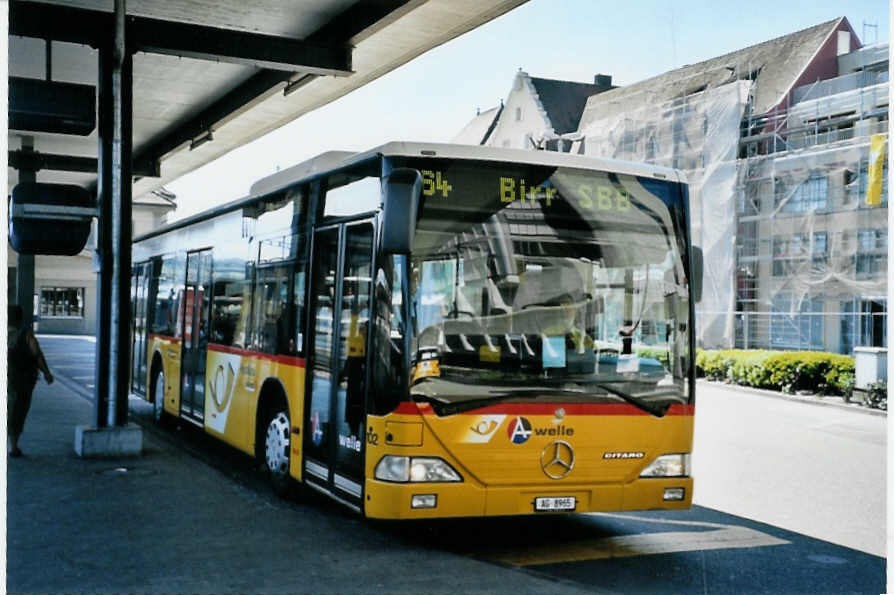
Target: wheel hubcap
{"x":277,"y":445}
{"x":159,"y":404}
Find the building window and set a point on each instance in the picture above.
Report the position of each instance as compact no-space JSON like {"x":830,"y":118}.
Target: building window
{"x":810,"y":195}
{"x":746,"y":288}
{"x":796,"y":326}
{"x":518,"y":114}
{"x":62,"y":302}
{"x":819,"y":249}
{"x":747,"y":239}
{"x":748,"y":201}
{"x":864,"y":323}
{"x":790,"y":252}
{"x":786,"y":253}
{"x":871,"y":257}
{"x":862,"y":184}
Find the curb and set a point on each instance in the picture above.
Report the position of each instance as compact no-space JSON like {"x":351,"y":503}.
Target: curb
{"x":806,"y":399}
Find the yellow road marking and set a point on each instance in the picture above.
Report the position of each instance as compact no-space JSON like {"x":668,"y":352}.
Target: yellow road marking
{"x":644,"y":544}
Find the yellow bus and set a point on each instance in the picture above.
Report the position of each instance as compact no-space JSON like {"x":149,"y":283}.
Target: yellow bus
{"x":427,"y":330}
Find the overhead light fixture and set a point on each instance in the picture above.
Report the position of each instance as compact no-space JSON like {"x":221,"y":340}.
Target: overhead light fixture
{"x":293,"y":86}
{"x":201,"y":140}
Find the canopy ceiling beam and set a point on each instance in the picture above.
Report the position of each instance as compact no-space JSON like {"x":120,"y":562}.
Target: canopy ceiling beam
{"x":36,"y":161}
{"x":280,"y":65}
{"x":344,"y":28}
{"x":90,"y":27}
{"x":238,"y":47}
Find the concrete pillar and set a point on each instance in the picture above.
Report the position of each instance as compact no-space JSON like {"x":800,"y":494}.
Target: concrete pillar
{"x":112,"y":435}
{"x":25,"y":265}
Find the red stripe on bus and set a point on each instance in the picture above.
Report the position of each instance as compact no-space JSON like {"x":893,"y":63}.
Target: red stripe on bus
{"x":550,"y":409}
{"x":576,"y":409}
{"x":289,"y":360}
{"x":407,"y":408}
{"x":163,"y":337}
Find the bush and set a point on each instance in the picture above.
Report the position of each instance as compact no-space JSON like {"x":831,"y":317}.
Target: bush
{"x":750,"y":369}
{"x":817,"y":372}
{"x":877,"y":396}
{"x":847,"y":387}
{"x":814,"y":371}
{"x":716,"y":365}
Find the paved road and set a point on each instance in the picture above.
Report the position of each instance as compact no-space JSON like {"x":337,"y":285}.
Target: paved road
{"x":71,"y":357}
{"x":699,"y":551}
{"x":816,"y":470}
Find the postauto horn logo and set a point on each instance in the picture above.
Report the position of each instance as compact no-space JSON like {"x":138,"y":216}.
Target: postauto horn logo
{"x":519,"y":430}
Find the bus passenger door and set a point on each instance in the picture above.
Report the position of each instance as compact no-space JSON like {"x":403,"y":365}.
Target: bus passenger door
{"x":195,"y":334}
{"x":340,"y":302}
{"x":139,"y":320}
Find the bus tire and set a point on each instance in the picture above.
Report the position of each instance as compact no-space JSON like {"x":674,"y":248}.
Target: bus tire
{"x":277,"y":444}
{"x":158,"y":395}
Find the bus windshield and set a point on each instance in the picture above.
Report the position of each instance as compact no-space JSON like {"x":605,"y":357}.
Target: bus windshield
{"x":548,"y":284}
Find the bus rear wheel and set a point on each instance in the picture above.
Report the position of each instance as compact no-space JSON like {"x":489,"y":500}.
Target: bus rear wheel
{"x":158,"y":398}
{"x":277,"y":444}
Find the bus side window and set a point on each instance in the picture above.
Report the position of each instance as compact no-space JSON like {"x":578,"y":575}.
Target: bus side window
{"x":271,"y":319}
{"x":165,"y":315}
{"x":228,"y":315}
{"x":298,"y":307}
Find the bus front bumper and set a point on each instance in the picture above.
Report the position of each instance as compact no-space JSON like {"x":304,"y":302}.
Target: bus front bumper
{"x":384,"y":500}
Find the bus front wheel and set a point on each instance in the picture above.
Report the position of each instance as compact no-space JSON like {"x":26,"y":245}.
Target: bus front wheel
{"x":276,"y":451}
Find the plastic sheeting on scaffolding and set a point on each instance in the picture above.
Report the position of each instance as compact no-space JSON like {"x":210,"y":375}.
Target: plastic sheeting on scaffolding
{"x":809,"y":236}
{"x":699,"y":134}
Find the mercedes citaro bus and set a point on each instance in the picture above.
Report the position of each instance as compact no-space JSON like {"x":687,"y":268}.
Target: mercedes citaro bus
{"x":427,"y":330}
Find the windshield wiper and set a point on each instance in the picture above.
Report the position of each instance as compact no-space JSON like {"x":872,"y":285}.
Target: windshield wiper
{"x":445,"y":407}
{"x":651,"y":408}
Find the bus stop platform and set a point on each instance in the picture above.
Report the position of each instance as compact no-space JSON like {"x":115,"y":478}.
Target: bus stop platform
{"x":169,"y":522}
{"x":159,"y":522}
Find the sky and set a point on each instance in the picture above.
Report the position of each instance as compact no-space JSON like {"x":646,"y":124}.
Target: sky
{"x":434,"y":96}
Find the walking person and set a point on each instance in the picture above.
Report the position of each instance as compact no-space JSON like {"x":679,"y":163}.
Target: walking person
{"x":23,"y":360}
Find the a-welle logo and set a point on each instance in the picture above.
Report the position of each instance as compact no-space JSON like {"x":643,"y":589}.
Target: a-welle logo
{"x":519,"y":430}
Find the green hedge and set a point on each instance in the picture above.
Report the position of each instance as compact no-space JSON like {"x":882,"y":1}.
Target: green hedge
{"x":654,"y":353}
{"x":787,"y":371}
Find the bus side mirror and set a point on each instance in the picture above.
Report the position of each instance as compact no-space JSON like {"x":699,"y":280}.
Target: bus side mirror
{"x":402,"y":189}
{"x":697,"y":266}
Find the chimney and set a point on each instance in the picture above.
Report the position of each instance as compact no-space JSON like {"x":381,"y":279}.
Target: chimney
{"x":603,"y":80}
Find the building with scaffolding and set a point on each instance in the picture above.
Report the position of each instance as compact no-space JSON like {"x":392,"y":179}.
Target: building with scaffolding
{"x":775,"y":141}
{"x":811,"y":243}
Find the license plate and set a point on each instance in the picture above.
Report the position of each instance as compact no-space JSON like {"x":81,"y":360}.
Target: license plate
{"x":552,"y":504}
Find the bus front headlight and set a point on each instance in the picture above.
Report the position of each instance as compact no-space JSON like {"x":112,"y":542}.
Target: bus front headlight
{"x":415,"y":469}
{"x":675,"y":465}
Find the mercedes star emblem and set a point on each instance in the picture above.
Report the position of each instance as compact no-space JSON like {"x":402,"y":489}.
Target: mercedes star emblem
{"x":557,"y":459}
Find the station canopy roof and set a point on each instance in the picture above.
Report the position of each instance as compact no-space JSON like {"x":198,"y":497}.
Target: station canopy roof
{"x":212,"y":75}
